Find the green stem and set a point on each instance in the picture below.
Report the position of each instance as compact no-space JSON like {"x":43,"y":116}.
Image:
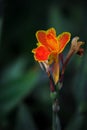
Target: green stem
{"x":55,"y":104}
{"x":56,"y":122}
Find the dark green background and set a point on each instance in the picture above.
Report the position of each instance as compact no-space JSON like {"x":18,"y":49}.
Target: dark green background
{"x":25,"y":102}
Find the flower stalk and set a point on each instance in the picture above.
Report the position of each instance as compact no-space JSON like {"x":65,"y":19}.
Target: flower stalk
{"x":54,"y":94}
{"x":56,"y":122}
{"x":48,"y":54}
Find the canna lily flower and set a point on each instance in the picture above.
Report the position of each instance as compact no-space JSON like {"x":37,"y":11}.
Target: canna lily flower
{"x":49,"y":47}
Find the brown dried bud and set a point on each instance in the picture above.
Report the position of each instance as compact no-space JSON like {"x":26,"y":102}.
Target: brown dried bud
{"x":80,"y":51}
{"x":75,"y":45}
{"x":75,"y":48}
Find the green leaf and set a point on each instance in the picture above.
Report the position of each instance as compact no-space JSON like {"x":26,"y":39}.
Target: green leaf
{"x":24,"y":120}
{"x":79,"y":81}
{"x":76,"y":122}
{"x":14,"y":91}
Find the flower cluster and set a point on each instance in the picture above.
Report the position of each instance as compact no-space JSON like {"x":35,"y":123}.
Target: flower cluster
{"x":49,"y":49}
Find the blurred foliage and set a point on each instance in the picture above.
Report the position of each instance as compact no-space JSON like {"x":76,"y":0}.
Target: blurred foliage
{"x":24,"y":88}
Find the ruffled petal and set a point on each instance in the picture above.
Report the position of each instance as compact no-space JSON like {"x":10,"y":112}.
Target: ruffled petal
{"x":52,"y":42}
{"x":48,"y":39}
{"x":41,"y":53}
{"x":63,"y":39}
{"x":52,"y":31}
{"x":41,"y":37}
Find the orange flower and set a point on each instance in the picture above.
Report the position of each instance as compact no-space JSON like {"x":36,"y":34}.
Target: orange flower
{"x":49,"y":47}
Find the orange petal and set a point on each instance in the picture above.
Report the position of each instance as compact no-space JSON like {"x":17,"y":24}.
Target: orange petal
{"x":52,"y":42}
{"x":52,"y":31}
{"x":63,"y":39}
{"x":41,"y":53}
{"x":48,"y":38}
{"x":41,"y":37}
